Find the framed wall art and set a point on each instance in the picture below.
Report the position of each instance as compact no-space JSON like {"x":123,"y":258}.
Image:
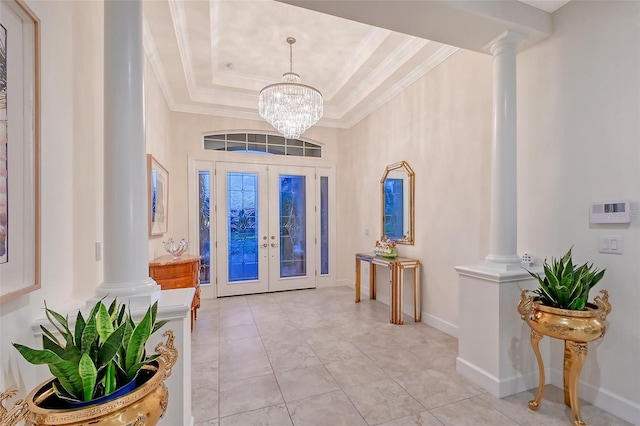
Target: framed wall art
{"x":19,"y":150}
{"x":158,"y":190}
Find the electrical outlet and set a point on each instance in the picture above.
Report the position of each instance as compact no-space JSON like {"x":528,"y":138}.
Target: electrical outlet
{"x":527,"y":259}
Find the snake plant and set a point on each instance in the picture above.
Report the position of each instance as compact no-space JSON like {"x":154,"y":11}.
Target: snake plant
{"x":102,"y":352}
{"x":565,"y":285}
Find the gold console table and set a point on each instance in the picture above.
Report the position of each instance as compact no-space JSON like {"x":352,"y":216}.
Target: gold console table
{"x":396,"y":267}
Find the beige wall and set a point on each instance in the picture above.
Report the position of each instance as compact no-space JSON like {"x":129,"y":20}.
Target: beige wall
{"x":88,"y":132}
{"x":579,"y":142}
{"x":441,"y":125}
{"x":157,"y":121}
{"x":71,"y":170}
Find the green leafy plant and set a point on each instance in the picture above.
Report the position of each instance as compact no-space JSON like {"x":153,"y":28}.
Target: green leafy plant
{"x":101,"y":354}
{"x":565,"y":285}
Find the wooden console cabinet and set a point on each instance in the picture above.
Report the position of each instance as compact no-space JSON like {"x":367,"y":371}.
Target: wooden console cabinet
{"x":172,"y":273}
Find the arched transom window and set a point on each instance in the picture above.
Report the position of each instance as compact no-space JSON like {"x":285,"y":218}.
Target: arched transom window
{"x":257,"y":143}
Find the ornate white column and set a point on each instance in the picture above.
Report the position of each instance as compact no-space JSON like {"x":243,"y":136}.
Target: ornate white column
{"x":126,"y":271}
{"x":503,"y":223}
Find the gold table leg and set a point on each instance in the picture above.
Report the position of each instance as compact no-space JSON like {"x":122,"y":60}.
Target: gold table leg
{"x":372,"y":281}
{"x":400,"y":279}
{"x":578,"y":353}
{"x":358,"y":267}
{"x":417,"y":298}
{"x":399,"y":314}
{"x":392,"y":303}
{"x":392,"y":286}
{"x":535,"y":344}
{"x":575,"y":354}
{"x":566,"y":373}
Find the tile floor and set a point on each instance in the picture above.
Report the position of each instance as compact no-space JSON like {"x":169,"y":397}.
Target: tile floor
{"x":314,"y":357}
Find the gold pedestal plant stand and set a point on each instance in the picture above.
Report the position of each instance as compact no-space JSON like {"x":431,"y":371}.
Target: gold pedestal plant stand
{"x":143,"y":406}
{"x":576,"y":328}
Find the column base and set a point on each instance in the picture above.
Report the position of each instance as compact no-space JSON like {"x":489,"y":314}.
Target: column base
{"x":497,"y":272}
{"x":502,"y":262}
{"x":136,"y":294}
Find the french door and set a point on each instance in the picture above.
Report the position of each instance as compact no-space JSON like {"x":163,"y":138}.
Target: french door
{"x":266,"y":228}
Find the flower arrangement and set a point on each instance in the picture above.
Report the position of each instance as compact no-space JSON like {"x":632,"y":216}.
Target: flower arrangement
{"x":385,"y":247}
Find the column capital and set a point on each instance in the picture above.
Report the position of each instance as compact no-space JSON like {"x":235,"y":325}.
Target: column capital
{"x":507,"y":40}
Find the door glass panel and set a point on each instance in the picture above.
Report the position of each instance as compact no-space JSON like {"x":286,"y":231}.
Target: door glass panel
{"x":203,"y":225}
{"x":324,"y":225}
{"x":293,"y":229}
{"x":394,"y":208}
{"x":242,"y":202}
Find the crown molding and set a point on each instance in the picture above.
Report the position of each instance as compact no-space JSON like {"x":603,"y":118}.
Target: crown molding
{"x":152,"y":54}
{"x":176,"y":8}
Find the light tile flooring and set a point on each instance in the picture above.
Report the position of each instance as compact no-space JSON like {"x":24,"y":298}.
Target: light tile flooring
{"x":314,"y":357}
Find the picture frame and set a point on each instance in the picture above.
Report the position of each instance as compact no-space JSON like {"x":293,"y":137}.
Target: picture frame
{"x":19,"y":150}
{"x":158,"y":194}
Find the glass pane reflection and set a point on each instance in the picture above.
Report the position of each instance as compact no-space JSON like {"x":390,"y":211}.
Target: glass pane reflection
{"x":203,"y":225}
{"x":393,"y":208}
{"x":242,"y":205}
{"x":324,"y":225}
{"x":293,"y":226}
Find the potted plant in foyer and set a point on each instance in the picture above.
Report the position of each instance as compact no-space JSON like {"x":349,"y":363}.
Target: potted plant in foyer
{"x":102,"y":373}
{"x":560,"y":309}
{"x":566,"y":286}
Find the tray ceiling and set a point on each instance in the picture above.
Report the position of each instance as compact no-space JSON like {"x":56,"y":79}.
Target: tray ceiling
{"x":214,"y":56}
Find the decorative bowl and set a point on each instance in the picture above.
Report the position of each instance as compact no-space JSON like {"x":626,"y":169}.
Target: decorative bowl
{"x":176,"y":250}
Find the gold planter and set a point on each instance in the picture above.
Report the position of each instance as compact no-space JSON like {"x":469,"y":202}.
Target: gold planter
{"x":144,"y":406}
{"x":576,"y":328}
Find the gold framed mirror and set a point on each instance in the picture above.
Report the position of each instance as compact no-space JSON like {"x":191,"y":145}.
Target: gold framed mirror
{"x":397,"y":188}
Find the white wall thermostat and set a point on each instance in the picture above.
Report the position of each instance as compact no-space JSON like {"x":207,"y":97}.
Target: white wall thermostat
{"x":610,"y":212}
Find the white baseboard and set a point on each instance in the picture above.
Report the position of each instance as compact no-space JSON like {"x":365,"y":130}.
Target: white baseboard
{"x":430,"y":320}
{"x":439,"y":324}
{"x":346,"y":283}
{"x":604,"y":399}
{"x":493,"y":385}
{"x":478,"y":376}
{"x":520,"y":383}
{"x":601,"y":398}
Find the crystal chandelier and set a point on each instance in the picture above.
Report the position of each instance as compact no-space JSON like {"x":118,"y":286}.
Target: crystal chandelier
{"x":291,"y":107}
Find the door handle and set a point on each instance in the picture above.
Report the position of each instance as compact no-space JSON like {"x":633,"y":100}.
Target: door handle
{"x":264,"y":245}
{"x":274,"y":245}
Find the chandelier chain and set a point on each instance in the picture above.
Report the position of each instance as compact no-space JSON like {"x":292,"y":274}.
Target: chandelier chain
{"x":290,"y":57}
